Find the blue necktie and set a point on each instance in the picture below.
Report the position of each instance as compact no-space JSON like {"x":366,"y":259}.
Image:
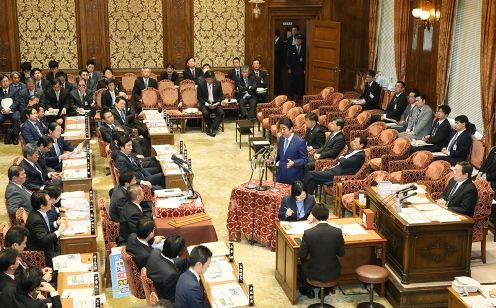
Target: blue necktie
{"x":48,"y":223}
{"x":286,"y":144}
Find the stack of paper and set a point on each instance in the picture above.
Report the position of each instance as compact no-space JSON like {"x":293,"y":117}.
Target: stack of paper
{"x":384,"y":188}
{"x":75,"y":203}
{"x":70,"y":263}
{"x":165,"y":193}
{"x":352,"y":229}
{"x":77,"y":126}
{"x":7,"y":102}
{"x":72,"y":194}
{"x":479,"y":301}
{"x":427,"y":207}
{"x":76,"y":162}
{"x":73,"y":133}
{"x":164,"y":149}
{"x":295,"y":227}
{"x":158,"y":130}
{"x":229,"y":295}
{"x":442,"y":215}
{"x":219,"y":270}
{"x":77,"y":227}
{"x":413,"y":216}
{"x":86,"y":278}
{"x":75,"y":173}
{"x":171,"y":203}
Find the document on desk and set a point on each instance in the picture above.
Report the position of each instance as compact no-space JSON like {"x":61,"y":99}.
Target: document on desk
{"x":77,"y":214}
{"x":86,"y":278}
{"x":442,"y":215}
{"x":427,"y":207}
{"x":229,"y":295}
{"x":413,"y":216}
{"x":73,"y":133}
{"x":219,"y":270}
{"x":218,"y":248}
{"x":77,"y":227}
{"x":70,"y":263}
{"x":170,"y":203}
{"x":75,"y":162}
{"x":77,"y":126}
{"x":75,"y":173}
{"x":72,"y":195}
{"x":171,"y":192}
{"x":418,"y":200}
{"x":352,"y":229}
{"x":75,"y":204}
{"x":295,"y":227}
{"x":78,"y":293}
{"x":478,"y":301}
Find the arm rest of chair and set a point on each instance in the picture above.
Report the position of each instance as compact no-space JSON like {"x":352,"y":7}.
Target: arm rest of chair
{"x":315,"y":104}
{"x":266,"y":112}
{"x":352,"y":122}
{"x":261,"y":106}
{"x":274,"y":118}
{"x":309,"y":97}
{"x":324,"y":163}
{"x":386,"y":159}
{"x":378,"y":151}
{"x":352,"y":185}
{"x":354,"y":132}
{"x":399,"y":165}
{"x":416,"y":176}
{"x":324,"y":109}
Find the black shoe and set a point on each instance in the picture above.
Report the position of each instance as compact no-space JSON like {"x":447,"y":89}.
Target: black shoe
{"x":15,"y":141}
{"x":326,"y":292}
{"x":210,"y":132}
{"x":307,"y":292}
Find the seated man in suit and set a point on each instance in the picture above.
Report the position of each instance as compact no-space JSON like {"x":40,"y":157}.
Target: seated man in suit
{"x":110,"y":125}
{"x":9,"y":263}
{"x":56,"y":155}
{"x":53,"y":65}
{"x":139,"y":244}
{"x":170,"y":74}
{"x":131,"y":213}
{"x":32,"y":129}
{"x":62,"y":77}
{"x":314,"y":136}
{"x":348,"y":164}
{"x":82,"y":100}
{"x":319,"y":251}
{"x":36,"y":176}
{"x":420,"y":120}
{"x":108,"y":74}
{"x":192,"y":72}
{"x":461,"y":194}
{"x":262,"y":81}
{"x":12,"y":113}
{"x":460,"y":141}
{"x":440,"y":132}
{"x":487,"y":171}
{"x":164,"y":267}
{"x":396,"y":106}
{"x":16,"y":238}
{"x":235,"y":73}
{"x":372,"y":94}
{"x":126,"y":117}
{"x":56,"y":97}
{"x":331,"y":148}
{"x":16,"y":194}
{"x":16,"y":84}
{"x":93,"y":75}
{"x":40,"y":83}
{"x":209,"y":98}
{"x":145,"y":171}
{"x":246,"y":87}
{"x":27,"y":293}
{"x":109,"y":95}
{"x":189,"y":291}
{"x":292,"y":154}
{"x":42,"y":235}
{"x":118,"y":195}
{"x":403,"y":122}
{"x":29,"y":91}
{"x":298,"y":205}
{"x":45,"y":144}
{"x":142,"y":83}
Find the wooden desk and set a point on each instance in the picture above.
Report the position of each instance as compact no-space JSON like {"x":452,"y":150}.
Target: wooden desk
{"x":172,"y":178}
{"x":193,"y":234}
{"x":76,"y":129}
{"x":360,"y":250}
{"x":85,"y":182}
{"x":422,"y":252}
{"x":208,"y":285}
{"x":157,"y":128}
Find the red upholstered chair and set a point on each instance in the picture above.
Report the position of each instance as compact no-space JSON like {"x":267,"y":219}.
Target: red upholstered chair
{"x":189,"y":100}
{"x":102,"y":145}
{"x":4,"y":227}
{"x":36,"y":258}
{"x":110,"y":235}
{"x":220,"y":75}
{"x":299,"y":127}
{"x":417,"y":161}
{"x":435,"y":176}
{"x":150,"y":98}
{"x":272,"y":115}
{"x":382,"y":155}
{"x":275,"y":103}
{"x":360,"y":122}
{"x":133,"y":275}
{"x":482,"y":212}
{"x":169,"y":97}
{"x":98,"y":103}
{"x":228,"y":91}
{"x":148,"y":288}
{"x":127,"y":82}
{"x":372,"y":131}
{"x":308,"y":99}
{"x":333,"y":100}
{"x":348,"y":114}
{"x":164,"y":84}
{"x":347,"y":191}
{"x":21,"y":216}
{"x":292,"y":114}
{"x":477,"y":153}
{"x":386,"y":137}
{"x":340,"y":106}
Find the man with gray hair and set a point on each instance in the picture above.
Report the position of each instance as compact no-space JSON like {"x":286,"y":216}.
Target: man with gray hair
{"x":246,"y":88}
{"x":141,"y":83}
{"x":36,"y":176}
{"x":16,"y":194}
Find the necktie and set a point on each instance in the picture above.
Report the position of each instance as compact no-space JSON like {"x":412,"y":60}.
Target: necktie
{"x":452,"y":141}
{"x":123,"y":116}
{"x":27,"y":190}
{"x":298,"y":49}
{"x":237,"y":75}
{"x":48,"y":223}
{"x":193,"y":73}
{"x":113,"y":97}
{"x":91,"y":75}
{"x":112,"y":126}
{"x":210,"y":93}
{"x":246,"y":82}
{"x":31,"y":93}
{"x":286,"y":144}
{"x":452,"y":192}
{"x":22,"y":263}
{"x":38,"y":85}
{"x":434,"y":129}
{"x":56,"y":147}
{"x":81,"y":97}
{"x":37,"y":129}
{"x":57,"y":94}
{"x":146,"y":83}
{"x":256,"y":73}
{"x":416,"y":119}
{"x":39,"y":171}
{"x":133,"y":161}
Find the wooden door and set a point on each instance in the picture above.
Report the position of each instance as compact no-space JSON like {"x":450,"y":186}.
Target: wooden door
{"x":323,"y":45}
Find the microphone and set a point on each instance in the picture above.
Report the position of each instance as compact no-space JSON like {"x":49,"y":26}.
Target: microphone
{"x":407,"y":196}
{"x":406,"y":189}
{"x":178,"y":160}
{"x":260,"y":151}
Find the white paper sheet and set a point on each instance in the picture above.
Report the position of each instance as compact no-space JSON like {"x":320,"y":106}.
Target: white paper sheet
{"x":70,"y":263}
{"x":7,"y":102}
{"x":86,"y":278}
{"x":229,"y":295}
{"x":295,"y":227}
{"x":171,"y":203}
{"x":427,"y":207}
{"x":78,"y":293}
{"x":75,"y":162}
{"x":75,"y":173}
{"x":219,"y":270}
{"x":438,"y":154}
{"x":77,"y":227}
{"x":72,"y":194}
{"x":441,"y":215}
{"x":419,"y":143}
{"x":418,"y":200}
{"x":165,"y":193}
{"x":414,"y":217}
{"x":352,"y":229}
{"x":478,"y":301}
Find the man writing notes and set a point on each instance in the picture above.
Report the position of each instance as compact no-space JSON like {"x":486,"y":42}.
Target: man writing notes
{"x":291,"y":154}
{"x":209,"y":98}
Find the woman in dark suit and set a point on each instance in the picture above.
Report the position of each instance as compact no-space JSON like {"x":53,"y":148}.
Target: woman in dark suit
{"x":298,"y":205}
{"x":170,"y":74}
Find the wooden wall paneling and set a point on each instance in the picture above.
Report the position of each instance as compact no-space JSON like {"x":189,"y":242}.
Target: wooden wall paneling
{"x":178,"y":32}
{"x":9,"y":45}
{"x":93,"y":36}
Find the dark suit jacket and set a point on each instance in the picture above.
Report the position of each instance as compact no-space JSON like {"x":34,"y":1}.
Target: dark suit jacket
{"x":262,"y":79}
{"x":189,"y":292}
{"x":10,"y":94}
{"x":489,"y":168}
{"x":138,"y":251}
{"x":232,"y":75}
{"x":117,"y":201}
{"x":242,"y":88}
{"x":332,"y":147}
{"x":203,"y":92}
{"x":441,"y":137}
{"x":187,"y":74}
{"x":52,"y":160}
{"x":41,"y":238}
{"x":24,"y":95}
{"x":464,"y":199}
{"x":107,"y":98}
{"x":30,"y":133}
{"x":294,"y":61}
{"x":315,"y":137}
{"x":297,"y":152}
{"x":34,"y":180}
{"x":123,"y":163}
{"x":129,"y":117}
{"x":319,"y":251}
{"x":139,"y":85}
{"x":45,"y":84}
{"x":51,"y":99}
{"x":371,"y":95}
{"x":290,"y":202}
{"x":174,"y":77}
{"x":6,"y":282}
{"x":15,"y":297}
{"x":76,"y":102}
{"x":130,"y":216}
{"x":102,"y":83}
{"x":164,"y":275}
{"x":460,"y":148}
{"x":106,"y":131}
{"x":350,"y":165}
{"x":69,"y":86}
{"x":278,"y":56}
{"x":396,"y":107}
{"x":16,"y":198}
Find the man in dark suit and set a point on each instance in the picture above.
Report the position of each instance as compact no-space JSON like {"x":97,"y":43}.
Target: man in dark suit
{"x":235,"y":73}
{"x":346,"y":165}
{"x":170,"y":74}
{"x":189,"y":291}
{"x":30,"y":90}
{"x":45,"y":144}
{"x":139,"y":244}
{"x":42,"y":236}
{"x":298,"y":205}
{"x":278,"y":62}
{"x":108,"y":74}
{"x":124,"y":114}
{"x":12,"y":113}
{"x":460,"y":142}
{"x":295,"y":61}
{"x":40,"y":83}
{"x":331,"y":148}
{"x":292,"y":154}
{"x":461,"y":194}
{"x":118,"y":195}
{"x":262,"y":80}
{"x":141,"y":83}
{"x":319,"y":251}
{"x":56,"y":155}
{"x":146,"y":173}
{"x":291,"y":40}
{"x":8,"y":266}
{"x":53,"y":66}
{"x":209,"y":98}
{"x":131,"y":213}
{"x":246,"y":87}
{"x":314,"y":136}
{"x":16,"y":194}
{"x":32,"y":129}
{"x":83,"y":100}
{"x":59,"y":98}
{"x":164,"y":267}
{"x":62,"y":76}
{"x":192,"y":72}
{"x":396,"y":106}
{"x":110,"y":94}
{"x":488,"y":169}
{"x":440,"y":132}
{"x":93,"y":76}
{"x":36,"y":176}
{"x":16,"y":84}
{"x":372,"y":94}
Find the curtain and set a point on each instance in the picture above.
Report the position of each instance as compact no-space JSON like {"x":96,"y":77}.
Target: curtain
{"x":487,"y":70}
{"x":373,"y":32}
{"x":446,"y":29}
{"x":401,"y":21}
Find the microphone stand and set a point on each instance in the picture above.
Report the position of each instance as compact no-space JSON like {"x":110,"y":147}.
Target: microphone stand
{"x":263,"y":166}
{"x":253,"y":164}
{"x":274,"y":189}
{"x":190,"y":192}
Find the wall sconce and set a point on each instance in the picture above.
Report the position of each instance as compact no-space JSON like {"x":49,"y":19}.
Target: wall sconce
{"x":256,"y":9}
{"x":426,"y":18}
